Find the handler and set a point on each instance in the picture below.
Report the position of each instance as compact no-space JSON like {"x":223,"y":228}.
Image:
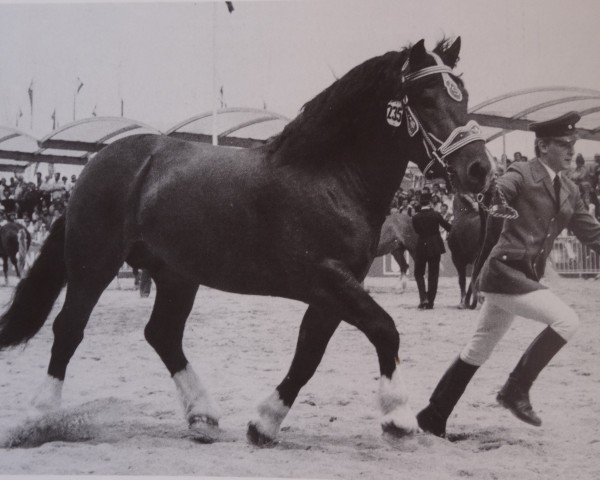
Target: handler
{"x":547,"y":202}
{"x":430,"y":247}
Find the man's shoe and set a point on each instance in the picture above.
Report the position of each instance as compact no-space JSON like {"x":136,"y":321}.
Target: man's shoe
{"x":431,"y":421}
{"x":514,"y":398}
{"x":423,"y":305}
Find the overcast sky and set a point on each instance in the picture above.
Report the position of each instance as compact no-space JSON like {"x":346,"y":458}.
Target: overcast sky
{"x":158,"y":56}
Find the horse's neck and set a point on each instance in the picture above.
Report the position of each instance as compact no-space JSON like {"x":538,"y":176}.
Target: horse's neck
{"x":381,"y":171}
{"x":365,"y":156}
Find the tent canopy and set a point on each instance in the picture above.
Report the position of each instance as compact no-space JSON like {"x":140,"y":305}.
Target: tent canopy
{"x":516,"y":110}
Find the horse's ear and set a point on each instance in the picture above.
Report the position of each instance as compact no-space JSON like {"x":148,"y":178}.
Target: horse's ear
{"x":417,"y":54}
{"x":450,"y":53}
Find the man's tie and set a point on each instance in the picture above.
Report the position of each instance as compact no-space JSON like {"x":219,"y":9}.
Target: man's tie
{"x":557,"y":191}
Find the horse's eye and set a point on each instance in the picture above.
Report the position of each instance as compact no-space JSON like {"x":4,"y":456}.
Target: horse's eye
{"x":427,"y":102}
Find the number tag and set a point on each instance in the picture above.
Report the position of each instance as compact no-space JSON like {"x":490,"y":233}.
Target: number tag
{"x":394,"y":113}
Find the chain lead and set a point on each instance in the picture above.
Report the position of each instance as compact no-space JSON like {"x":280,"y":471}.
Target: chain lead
{"x":499,"y":207}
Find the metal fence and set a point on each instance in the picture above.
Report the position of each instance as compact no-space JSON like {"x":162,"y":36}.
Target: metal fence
{"x":570,"y":257}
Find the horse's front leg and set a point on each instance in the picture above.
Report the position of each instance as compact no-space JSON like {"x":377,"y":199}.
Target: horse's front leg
{"x":341,"y":294}
{"x":345,"y":297}
{"x":315,"y":331}
{"x":5,"y":269}
{"x":462,"y":283}
{"x":13,"y":259}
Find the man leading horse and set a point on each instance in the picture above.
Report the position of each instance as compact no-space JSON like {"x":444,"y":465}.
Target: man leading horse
{"x":547,"y":202}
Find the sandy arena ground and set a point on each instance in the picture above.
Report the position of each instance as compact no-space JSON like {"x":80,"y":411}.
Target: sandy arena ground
{"x":121,"y":414}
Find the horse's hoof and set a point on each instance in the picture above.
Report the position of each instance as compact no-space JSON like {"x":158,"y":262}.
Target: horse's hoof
{"x":258,"y":438}
{"x":399,"y":432}
{"x":204,"y":429}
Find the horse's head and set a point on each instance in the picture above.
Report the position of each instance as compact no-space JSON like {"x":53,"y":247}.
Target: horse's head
{"x":433,"y":103}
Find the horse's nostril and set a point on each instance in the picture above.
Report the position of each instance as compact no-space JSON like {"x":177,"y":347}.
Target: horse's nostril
{"x":478,"y":171}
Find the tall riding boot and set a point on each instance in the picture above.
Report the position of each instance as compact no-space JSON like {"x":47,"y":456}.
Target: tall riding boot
{"x":514,"y":395}
{"x":448,"y":391}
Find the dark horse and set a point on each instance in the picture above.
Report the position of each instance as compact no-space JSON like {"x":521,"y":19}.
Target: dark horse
{"x":14,"y":239}
{"x":397,"y":237}
{"x":464,"y":239}
{"x":298,"y":217}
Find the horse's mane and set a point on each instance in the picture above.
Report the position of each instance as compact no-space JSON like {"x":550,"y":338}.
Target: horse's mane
{"x":328,"y":121}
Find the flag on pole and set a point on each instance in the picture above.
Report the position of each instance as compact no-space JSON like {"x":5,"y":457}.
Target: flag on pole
{"x":30,"y":93}
{"x":80,"y":85}
{"x":264,"y":104}
{"x":53,"y":117}
{"x":94,"y":114}
{"x":122,"y":107}
{"x":229,"y":6}
{"x":221,"y":98}
{"x":19,"y":115}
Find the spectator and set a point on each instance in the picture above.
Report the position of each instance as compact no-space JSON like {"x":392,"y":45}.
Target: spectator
{"x":58,"y":189}
{"x":71,"y":183}
{"x":580,"y":173}
{"x":8,"y":202}
{"x":518,"y":157}
{"x":436,"y":203}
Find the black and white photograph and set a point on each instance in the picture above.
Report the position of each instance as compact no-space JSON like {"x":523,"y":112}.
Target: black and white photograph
{"x":337,"y":239}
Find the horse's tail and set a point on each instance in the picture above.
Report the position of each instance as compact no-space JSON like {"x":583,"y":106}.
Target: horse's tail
{"x":36,"y":293}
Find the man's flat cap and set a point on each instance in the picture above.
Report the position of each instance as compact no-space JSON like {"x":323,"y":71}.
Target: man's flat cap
{"x":562,"y":126}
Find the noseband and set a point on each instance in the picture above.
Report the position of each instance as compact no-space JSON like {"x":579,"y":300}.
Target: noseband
{"x":436,"y":149}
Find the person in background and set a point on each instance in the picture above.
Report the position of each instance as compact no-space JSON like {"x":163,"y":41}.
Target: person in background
{"x":429,"y":250}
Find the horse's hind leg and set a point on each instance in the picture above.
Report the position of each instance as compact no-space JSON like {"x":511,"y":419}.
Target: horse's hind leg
{"x":13,"y":259}
{"x":400,"y":256}
{"x":83,"y":292}
{"x":315,"y":331}
{"x":164,"y":332}
{"x":461,"y":269}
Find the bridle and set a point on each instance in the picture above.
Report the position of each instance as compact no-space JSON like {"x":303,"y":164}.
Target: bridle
{"x":436,"y":149}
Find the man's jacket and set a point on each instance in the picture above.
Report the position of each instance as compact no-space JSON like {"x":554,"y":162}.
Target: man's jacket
{"x":517,"y":261}
{"x":427,"y":224}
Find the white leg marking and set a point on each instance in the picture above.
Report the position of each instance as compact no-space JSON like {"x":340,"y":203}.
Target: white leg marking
{"x":193,"y":395}
{"x":271,"y":413}
{"x":48,"y":395}
{"x":403,"y":282}
{"x":393,"y":400}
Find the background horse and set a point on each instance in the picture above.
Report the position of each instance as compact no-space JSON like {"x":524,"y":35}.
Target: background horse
{"x":299,"y":218}
{"x":464,"y":239}
{"x":398,"y":237}
{"x":14,"y":239}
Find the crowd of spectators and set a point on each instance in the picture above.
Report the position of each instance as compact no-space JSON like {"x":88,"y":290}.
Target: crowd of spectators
{"x":37,"y":204}
{"x":585,"y":174}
